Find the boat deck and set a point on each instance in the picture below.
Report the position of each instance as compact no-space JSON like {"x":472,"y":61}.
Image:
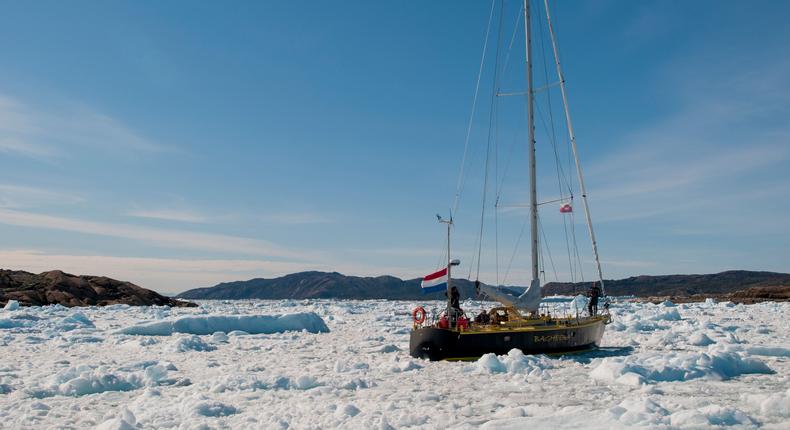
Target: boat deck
{"x":535,"y":324}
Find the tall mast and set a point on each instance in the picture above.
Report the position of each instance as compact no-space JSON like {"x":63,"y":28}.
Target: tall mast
{"x":533,"y":189}
{"x":449,"y":264}
{"x":449,"y":269}
{"x":572,"y":137}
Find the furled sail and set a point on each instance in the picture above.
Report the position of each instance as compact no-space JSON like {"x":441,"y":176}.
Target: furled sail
{"x":529,"y":301}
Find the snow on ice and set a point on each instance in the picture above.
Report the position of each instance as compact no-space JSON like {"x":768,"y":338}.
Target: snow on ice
{"x":345,"y":364}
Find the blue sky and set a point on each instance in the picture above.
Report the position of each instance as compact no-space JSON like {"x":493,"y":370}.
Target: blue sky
{"x":177,"y":145}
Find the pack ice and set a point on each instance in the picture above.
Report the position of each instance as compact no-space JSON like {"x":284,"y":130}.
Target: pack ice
{"x":345,"y":364}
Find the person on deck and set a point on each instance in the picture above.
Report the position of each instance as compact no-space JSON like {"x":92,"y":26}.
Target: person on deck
{"x":483,"y":317}
{"x":594,"y":294}
{"x":455,"y":298}
{"x":455,"y":305}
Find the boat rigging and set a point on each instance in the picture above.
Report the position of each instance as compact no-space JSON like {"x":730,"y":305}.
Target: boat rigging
{"x":519,"y":323}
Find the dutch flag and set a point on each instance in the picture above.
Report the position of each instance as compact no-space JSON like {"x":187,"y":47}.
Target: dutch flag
{"x":435,"y":282}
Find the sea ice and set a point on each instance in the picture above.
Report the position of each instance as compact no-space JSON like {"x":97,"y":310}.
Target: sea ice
{"x":126,"y":421}
{"x":774,"y":351}
{"x":700,"y":339}
{"x":192,"y":343}
{"x":84,"y":379}
{"x":711,"y":415}
{"x":12,"y":305}
{"x":678,"y":366}
{"x":775,"y":404}
{"x":697,"y":365}
{"x":514,"y":362}
{"x":213,"y":409}
{"x":13,"y":323}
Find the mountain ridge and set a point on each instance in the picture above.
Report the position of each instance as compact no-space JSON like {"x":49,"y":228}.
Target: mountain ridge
{"x":333,"y":285}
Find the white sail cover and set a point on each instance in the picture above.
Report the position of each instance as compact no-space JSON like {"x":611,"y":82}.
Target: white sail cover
{"x":529,"y":301}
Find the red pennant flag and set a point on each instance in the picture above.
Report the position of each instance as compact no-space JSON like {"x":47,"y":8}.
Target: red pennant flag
{"x":566,"y":208}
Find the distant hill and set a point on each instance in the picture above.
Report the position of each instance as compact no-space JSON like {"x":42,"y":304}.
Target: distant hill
{"x":679,"y":285}
{"x":315,"y":285}
{"x":57,"y":287}
{"x":323,"y":285}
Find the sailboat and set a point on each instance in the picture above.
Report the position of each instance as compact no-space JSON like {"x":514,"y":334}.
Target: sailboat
{"x":519,"y":322}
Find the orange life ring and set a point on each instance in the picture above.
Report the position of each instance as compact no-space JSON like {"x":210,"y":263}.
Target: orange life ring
{"x":419,"y":315}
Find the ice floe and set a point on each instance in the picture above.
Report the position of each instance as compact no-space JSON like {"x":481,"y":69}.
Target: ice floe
{"x":253,"y":324}
{"x":676,"y":366}
{"x":85,"y":379}
{"x":12,"y":305}
{"x":192,"y":343}
{"x":514,"y":362}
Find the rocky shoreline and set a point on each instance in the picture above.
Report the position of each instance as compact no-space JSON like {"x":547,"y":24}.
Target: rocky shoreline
{"x":57,"y":287}
{"x":747,"y":296}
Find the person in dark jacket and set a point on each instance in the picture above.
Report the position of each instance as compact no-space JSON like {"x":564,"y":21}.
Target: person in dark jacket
{"x":455,"y":305}
{"x":455,"y":298}
{"x":483,"y":317}
{"x":594,"y":294}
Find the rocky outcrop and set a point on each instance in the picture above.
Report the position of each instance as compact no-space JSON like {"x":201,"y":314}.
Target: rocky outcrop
{"x":771,"y":293}
{"x":57,"y":287}
{"x":756,"y":294}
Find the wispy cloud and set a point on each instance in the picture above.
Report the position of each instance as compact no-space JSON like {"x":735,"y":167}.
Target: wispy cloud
{"x":397,"y":252}
{"x":33,"y":131}
{"x":651,"y":22}
{"x":170,"y":215}
{"x":20,"y":196}
{"x":183,"y":213}
{"x":29,"y":149}
{"x":295,"y":218}
{"x":629,"y":264}
{"x":727,"y":141}
{"x":181,"y":239}
{"x":668,"y":172}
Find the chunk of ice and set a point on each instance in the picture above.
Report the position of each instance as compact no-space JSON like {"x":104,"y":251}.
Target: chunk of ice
{"x":514,"y":362}
{"x":214,"y":409}
{"x":677,"y":366}
{"x":771,"y":351}
{"x":84,"y":379}
{"x":776,"y":404}
{"x":192,"y":343}
{"x":253,"y":324}
{"x":700,"y":339}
